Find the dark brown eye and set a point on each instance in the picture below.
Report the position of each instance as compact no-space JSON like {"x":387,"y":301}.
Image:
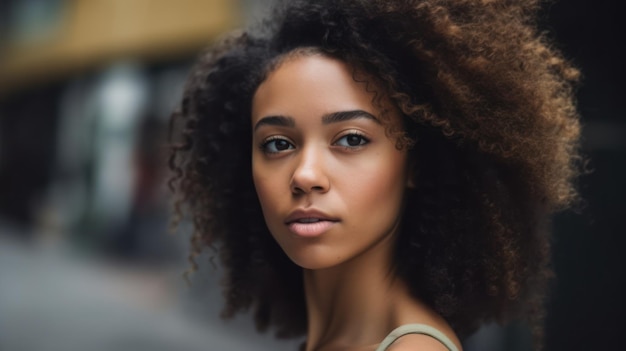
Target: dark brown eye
{"x":277,"y":145}
{"x":352,"y":140}
{"x":281,"y":145}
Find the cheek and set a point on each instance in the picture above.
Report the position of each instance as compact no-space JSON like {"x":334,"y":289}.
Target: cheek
{"x":269,"y":188}
{"x":378,"y":188}
{"x":262,"y":185}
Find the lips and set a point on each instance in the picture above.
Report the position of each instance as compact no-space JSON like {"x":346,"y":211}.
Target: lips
{"x":309,"y":223}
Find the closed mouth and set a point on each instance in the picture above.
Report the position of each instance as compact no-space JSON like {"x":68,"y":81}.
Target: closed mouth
{"x":310,"y":227}
{"x":309,"y":220}
{"x":308,"y":216}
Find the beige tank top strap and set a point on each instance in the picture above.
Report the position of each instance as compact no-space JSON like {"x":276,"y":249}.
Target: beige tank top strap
{"x":416,"y":329}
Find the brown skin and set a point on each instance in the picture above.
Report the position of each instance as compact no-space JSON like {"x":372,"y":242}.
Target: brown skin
{"x":308,"y":164}
{"x":490,"y":124}
{"x":359,"y":187}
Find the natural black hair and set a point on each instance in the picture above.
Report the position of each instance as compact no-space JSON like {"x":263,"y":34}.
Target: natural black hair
{"x":490,"y":122}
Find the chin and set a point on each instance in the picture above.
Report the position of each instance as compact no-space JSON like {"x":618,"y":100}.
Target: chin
{"x":310,"y":265}
{"x":313,"y":260}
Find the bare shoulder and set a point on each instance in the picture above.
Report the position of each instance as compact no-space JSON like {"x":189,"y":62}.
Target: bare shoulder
{"x":417,"y":342}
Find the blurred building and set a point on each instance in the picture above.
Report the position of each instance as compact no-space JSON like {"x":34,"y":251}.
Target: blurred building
{"x":86,"y":260}
{"x":86,"y":89}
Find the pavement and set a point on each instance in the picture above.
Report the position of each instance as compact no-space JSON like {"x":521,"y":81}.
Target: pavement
{"x":51,"y":300}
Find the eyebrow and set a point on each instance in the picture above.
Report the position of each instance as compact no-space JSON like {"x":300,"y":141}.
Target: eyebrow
{"x":334,"y":117}
{"x":281,"y":121}
{"x":342,"y":116}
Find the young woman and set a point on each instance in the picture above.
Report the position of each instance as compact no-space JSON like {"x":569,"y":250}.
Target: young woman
{"x":380,"y":174}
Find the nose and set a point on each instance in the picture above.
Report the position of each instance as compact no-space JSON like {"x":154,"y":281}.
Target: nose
{"x":310,"y":174}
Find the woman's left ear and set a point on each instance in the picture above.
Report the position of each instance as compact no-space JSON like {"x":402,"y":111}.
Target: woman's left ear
{"x":410,"y":179}
{"x":410,"y":183}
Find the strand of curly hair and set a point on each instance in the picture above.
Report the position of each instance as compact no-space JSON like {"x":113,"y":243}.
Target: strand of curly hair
{"x":490,"y":122}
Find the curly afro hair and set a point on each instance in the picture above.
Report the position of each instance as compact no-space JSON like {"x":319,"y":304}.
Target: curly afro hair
{"x":490,"y":122}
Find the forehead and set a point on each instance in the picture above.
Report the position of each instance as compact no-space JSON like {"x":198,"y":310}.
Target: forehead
{"x":311,"y":84}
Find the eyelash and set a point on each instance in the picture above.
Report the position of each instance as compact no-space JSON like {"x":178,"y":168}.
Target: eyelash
{"x":363,"y":140}
{"x":271,"y":141}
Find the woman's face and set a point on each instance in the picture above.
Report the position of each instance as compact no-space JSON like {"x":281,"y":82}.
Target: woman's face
{"x":330,"y":181}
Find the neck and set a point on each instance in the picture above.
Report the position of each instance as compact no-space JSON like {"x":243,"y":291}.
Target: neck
{"x":355,"y":303}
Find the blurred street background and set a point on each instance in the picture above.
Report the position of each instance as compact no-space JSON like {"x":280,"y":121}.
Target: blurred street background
{"x":86,"y":259}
